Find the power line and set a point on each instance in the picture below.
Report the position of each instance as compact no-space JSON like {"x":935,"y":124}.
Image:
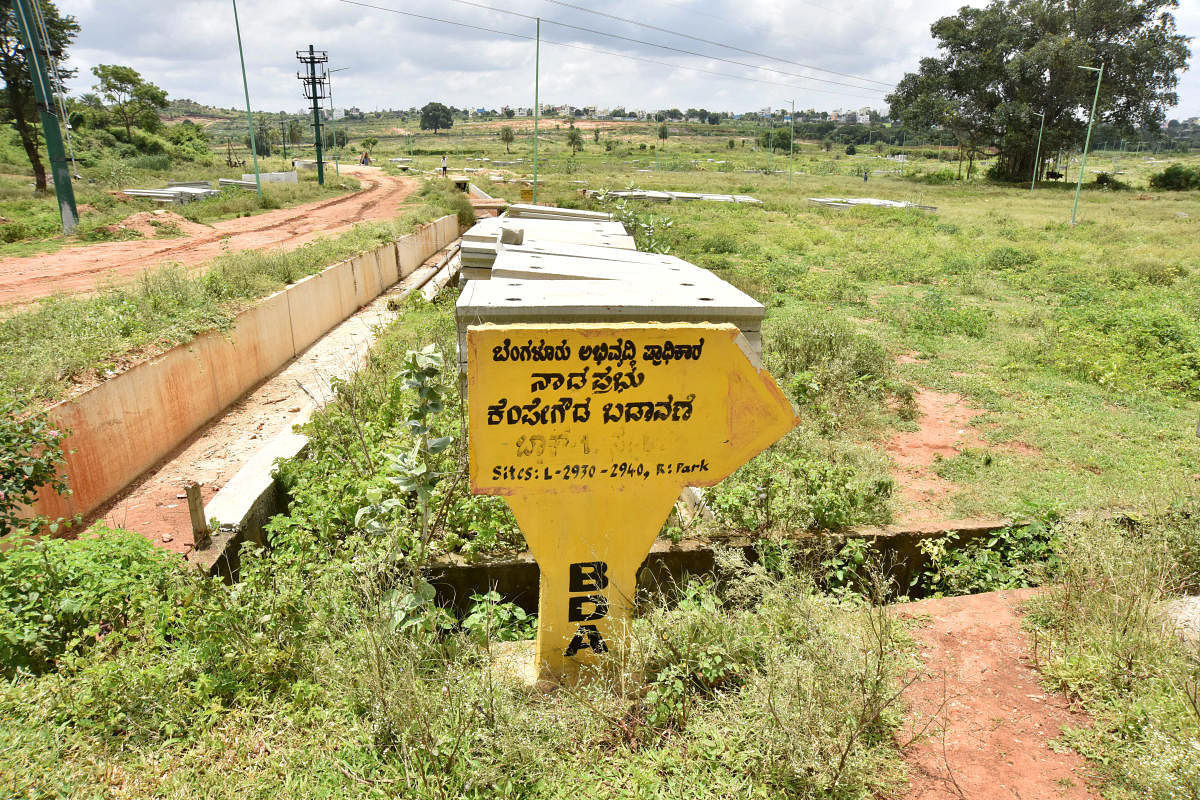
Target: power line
{"x":602,"y":51}
{"x":718,"y":44}
{"x":663,"y":46}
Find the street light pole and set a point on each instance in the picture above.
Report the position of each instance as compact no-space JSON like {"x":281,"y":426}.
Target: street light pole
{"x":333,"y":120}
{"x":246,"y":89}
{"x":537,"y":110}
{"x":1088,"y":140}
{"x":1037,"y":159}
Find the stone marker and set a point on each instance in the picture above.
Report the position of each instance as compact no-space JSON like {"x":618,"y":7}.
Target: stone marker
{"x":589,"y":432}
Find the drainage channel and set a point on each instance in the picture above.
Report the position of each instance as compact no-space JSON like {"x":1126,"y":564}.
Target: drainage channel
{"x":251,"y":429}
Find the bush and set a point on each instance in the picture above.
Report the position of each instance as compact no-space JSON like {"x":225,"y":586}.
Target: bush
{"x":1106,"y":180}
{"x":940,"y":178}
{"x":30,"y":455}
{"x":1106,"y":639}
{"x":59,"y":596}
{"x":940,"y":314}
{"x":1176,"y":178}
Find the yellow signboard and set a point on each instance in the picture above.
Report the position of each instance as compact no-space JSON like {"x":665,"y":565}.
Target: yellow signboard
{"x":590,"y":432}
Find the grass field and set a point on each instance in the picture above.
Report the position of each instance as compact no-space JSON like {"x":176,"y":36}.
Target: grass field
{"x":1081,"y":345}
{"x":326,"y":671}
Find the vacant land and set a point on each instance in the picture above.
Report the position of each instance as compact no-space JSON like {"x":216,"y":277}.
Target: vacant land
{"x":983,"y":359}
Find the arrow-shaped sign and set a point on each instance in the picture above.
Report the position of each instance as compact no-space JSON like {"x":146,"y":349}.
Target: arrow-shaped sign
{"x":590,"y":432}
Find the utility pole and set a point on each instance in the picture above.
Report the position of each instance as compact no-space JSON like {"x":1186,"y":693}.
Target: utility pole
{"x":791,"y":143}
{"x":537,"y":109}
{"x":43,"y":91}
{"x":314,"y":89}
{"x":333,"y":119}
{"x":1088,"y":140}
{"x":283,"y":137}
{"x":246,"y":89}
{"x":1038,"y":157}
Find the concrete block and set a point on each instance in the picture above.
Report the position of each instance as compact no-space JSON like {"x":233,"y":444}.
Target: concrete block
{"x":259,"y":343}
{"x":389,"y":270}
{"x":248,"y":501}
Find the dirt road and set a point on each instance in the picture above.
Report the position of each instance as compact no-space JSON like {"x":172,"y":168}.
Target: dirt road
{"x":992,"y":721}
{"x":79,"y":269}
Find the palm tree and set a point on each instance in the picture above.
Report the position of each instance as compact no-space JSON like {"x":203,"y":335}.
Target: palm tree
{"x":574,"y":139}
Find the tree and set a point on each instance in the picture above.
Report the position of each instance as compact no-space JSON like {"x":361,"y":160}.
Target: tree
{"x":507,"y":136}
{"x":509,"y":113}
{"x":435,"y":116}
{"x":851,"y":149}
{"x":596,"y":135}
{"x":663,"y":132}
{"x":713,"y":118}
{"x":295,"y":131}
{"x":574,"y":139}
{"x":1001,"y":63}
{"x":134,"y":100}
{"x":19,"y":107}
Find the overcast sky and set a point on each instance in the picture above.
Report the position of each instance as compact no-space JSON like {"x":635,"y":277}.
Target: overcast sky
{"x":395,"y":61}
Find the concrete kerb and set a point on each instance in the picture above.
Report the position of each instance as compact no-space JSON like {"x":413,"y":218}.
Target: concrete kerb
{"x":124,"y":426}
{"x":669,"y":564}
{"x":248,"y":501}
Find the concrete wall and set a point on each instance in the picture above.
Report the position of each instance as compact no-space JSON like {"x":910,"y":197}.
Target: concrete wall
{"x":126,"y":425}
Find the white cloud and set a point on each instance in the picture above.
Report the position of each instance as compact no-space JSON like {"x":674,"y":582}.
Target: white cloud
{"x":395,"y":61}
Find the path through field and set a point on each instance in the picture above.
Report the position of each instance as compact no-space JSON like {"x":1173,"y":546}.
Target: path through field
{"x":79,"y":268}
{"x":988,"y":721}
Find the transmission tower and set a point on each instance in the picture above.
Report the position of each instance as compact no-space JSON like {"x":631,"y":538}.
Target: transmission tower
{"x":314,"y":89}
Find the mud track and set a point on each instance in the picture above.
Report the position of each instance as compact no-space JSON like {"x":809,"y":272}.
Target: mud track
{"x":79,"y":269}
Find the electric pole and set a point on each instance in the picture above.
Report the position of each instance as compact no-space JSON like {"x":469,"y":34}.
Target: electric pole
{"x":43,"y":91}
{"x":314,"y":89}
{"x":246,"y":89}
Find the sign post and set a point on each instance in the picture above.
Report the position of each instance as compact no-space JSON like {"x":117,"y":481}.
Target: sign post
{"x":590,"y":432}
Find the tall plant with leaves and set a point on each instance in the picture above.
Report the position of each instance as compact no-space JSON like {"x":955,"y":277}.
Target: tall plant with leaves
{"x":17,"y":103}
{"x":30,"y":456}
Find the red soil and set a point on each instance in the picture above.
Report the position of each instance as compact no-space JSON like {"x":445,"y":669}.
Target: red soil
{"x":945,"y":422}
{"x":78,"y":269}
{"x":987,"y":721}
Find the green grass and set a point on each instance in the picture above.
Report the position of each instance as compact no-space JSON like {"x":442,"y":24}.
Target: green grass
{"x":297,"y":681}
{"x":62,"y":340}
{"x":1103,"y":637}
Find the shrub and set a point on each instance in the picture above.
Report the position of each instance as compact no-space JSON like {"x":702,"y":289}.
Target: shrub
{"x":1176,"y":178}
{"x":30,"y":455}
{"x":1106,"y":180}
{"x":59,"y":596}
{"x":938,"y":313}
{"x":941,"y":177}
{"x":833,"y":373}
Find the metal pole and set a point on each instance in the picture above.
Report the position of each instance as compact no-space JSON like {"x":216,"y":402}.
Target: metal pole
{"x":537,"y":66}
{"x":246,"y":89}
{"x":1037,"y":159}
{"x":283,"y":137}
{"x":1088,"y":140}
{"x":333,"y":120}
{"x":791,"y":144}
{"x":43,"y":93}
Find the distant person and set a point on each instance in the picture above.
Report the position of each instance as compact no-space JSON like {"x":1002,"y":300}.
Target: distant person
{"x":365,"y":160}
{"x":443,"y":166}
